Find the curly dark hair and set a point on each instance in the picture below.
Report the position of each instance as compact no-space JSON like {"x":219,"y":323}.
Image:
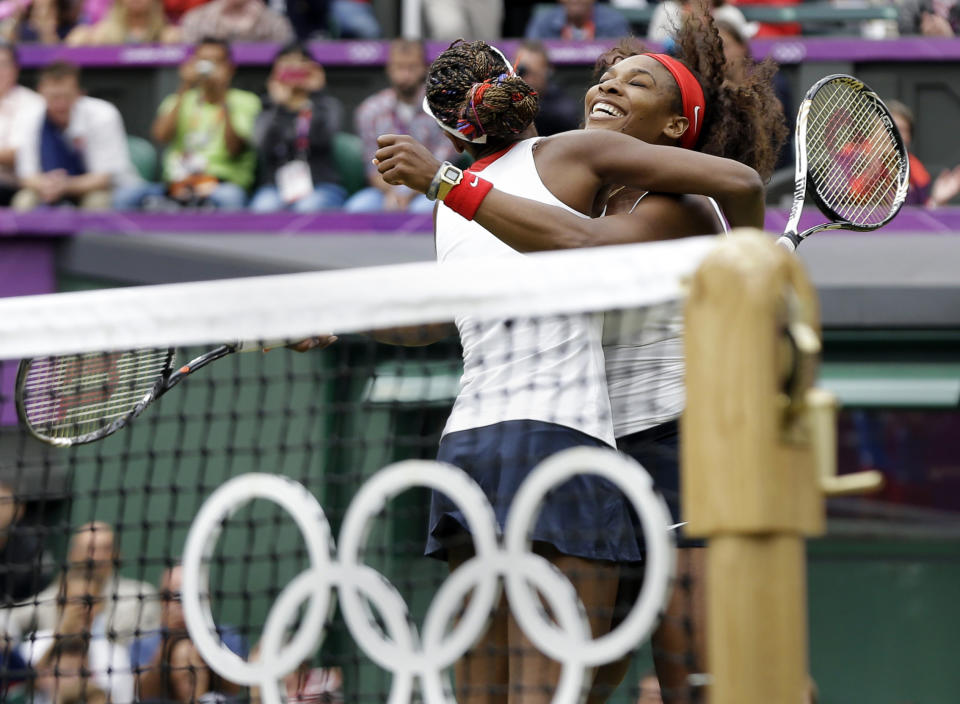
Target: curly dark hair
{"x":470,"y":88}
{"x":743,"y":120}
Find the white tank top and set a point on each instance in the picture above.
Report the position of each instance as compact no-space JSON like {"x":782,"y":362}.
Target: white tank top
{"x":645,"y":370}
{"x":550,"y":369}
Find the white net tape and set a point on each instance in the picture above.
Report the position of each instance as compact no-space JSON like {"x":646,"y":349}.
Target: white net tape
{"x":294,"y":306}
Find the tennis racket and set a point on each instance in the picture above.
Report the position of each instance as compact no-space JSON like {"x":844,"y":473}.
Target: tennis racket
{"x":849,"y":157}
{"x":75,"y":399}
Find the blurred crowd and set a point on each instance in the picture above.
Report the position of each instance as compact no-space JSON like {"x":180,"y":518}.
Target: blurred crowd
{"x":289,"y":146}
{"x":99,"y":22}
{"x":93,"y":636}
{"x":88,"y":635}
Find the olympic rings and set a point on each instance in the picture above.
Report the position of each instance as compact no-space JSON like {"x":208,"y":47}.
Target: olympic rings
{"x":399,"y":648}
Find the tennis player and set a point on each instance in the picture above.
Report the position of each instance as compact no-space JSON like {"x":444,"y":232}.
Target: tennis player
{"x":486,"y":110}
{"x":647,"y":97}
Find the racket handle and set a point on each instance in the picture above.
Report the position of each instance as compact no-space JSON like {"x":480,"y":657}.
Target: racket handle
{"x":787,"y":243}
{"x":260,"y":345}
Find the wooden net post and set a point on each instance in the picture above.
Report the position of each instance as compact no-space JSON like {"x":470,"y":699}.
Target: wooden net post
{"x":751,"y":479}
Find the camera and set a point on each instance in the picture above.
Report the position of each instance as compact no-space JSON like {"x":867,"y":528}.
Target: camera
{"x":205,"y":68}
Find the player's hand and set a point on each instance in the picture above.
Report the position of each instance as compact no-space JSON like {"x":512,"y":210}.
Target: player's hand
{"x":403,"y":161}
{"x":317,"y":342}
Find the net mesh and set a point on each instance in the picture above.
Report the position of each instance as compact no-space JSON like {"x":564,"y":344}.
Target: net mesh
{"x":96,"y":567}
{"x":853,"y":159}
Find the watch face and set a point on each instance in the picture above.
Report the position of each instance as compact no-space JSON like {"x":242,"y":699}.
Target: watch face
{"x":451,"y":174}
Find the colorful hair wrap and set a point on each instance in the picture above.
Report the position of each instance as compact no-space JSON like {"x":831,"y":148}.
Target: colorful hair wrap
{"x":465,"y":129}
{"x":691,"y":97}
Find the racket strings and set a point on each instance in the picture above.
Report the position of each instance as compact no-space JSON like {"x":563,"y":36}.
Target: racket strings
{"x":78,"y":394}
{"x":882,"y":192}
{"x":852,"y":163}
{"x":855,"y":163}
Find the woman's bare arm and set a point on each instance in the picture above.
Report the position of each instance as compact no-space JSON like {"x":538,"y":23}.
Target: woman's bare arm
{"x":612,"y":157}
{"x":528,"y":225}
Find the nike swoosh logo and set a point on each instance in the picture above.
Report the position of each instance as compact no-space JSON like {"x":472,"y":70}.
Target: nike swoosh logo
{"x":476,"y":180}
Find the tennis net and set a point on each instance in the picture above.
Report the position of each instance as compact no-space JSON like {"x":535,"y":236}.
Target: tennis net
{"x":242,"y":527}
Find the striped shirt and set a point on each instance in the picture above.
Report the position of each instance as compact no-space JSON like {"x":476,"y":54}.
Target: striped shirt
{"x":382,"y":113}
{"x":254,"y":22}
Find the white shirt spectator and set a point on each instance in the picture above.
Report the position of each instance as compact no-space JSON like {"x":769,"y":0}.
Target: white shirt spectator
{"x":96,"y":130}
{"x":17,"y":109}
{"x":108,"y":661}
{"x":132,"y":608}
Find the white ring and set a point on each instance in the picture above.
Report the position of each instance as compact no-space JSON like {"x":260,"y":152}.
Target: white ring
{"x":362,"y":589}
{"x":636,"y":484}
{"x":200,"y":543}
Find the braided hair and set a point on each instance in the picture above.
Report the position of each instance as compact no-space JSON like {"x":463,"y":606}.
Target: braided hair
{"x":472,"y":89}
{"x":743,"y":120}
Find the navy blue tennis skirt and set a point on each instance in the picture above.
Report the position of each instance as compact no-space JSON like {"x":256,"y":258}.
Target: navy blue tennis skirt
{"x":586,"y":516}
{"x":658,"y":450}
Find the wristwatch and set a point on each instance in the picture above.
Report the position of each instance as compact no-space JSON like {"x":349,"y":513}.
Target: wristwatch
{"x":446,"y":178}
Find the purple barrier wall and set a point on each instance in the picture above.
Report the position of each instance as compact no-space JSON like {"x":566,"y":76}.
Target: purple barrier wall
{"x":67,"y":222}
{"x":360,"y":53}
{"x":26,"y":268}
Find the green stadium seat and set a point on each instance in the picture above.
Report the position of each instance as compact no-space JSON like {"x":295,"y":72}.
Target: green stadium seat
{"x":349,"y":160}
{"x":144,"y":157}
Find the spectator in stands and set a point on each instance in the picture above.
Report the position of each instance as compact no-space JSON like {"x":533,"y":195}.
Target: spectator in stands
{"x":649,"y":689}
{"x":21,"y":571}
{"x":931,"y":18}
{"x":668,"y":17}
{"x":20,"y":578}
{"x":176,"y":9}
{"x":294,"y":138}
{"x":310,"y":19}
{"x":306,"y":684}
{"x":397,"y":110}
{"x":127,"y":22}
{"x":558,"y":112}
{"x":344,"y":19}
{"x":208,"y":126}
{"x":151,"y":651}
{"x":88,"y":602}
{"x":236,"y":21}
{"x":41,"y":21}
{"x":63,"y":675}
{"x":127,"y":606}
{"x":73,"y":152}
{"x":453,"y":19}
{"x":923,"y":191}
{"x":354,"y":19}
{"x":311,"y":685}
{"x":578,"y":20}
{"x":17,"y":104}
{"x":771,"y":29}
{"x":185,"y":677}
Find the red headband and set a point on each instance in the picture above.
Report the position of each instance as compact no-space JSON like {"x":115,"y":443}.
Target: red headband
{"x":691,"y":96}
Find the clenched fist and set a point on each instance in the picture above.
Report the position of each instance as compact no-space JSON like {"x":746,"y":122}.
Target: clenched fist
{"x":403,"y":161}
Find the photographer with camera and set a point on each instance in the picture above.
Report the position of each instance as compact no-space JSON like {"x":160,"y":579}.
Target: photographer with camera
{"x":208,"y":126}
{"x":294,"y":138}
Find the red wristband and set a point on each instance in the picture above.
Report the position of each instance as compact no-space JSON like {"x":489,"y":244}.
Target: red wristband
{"x":465,"y":198}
